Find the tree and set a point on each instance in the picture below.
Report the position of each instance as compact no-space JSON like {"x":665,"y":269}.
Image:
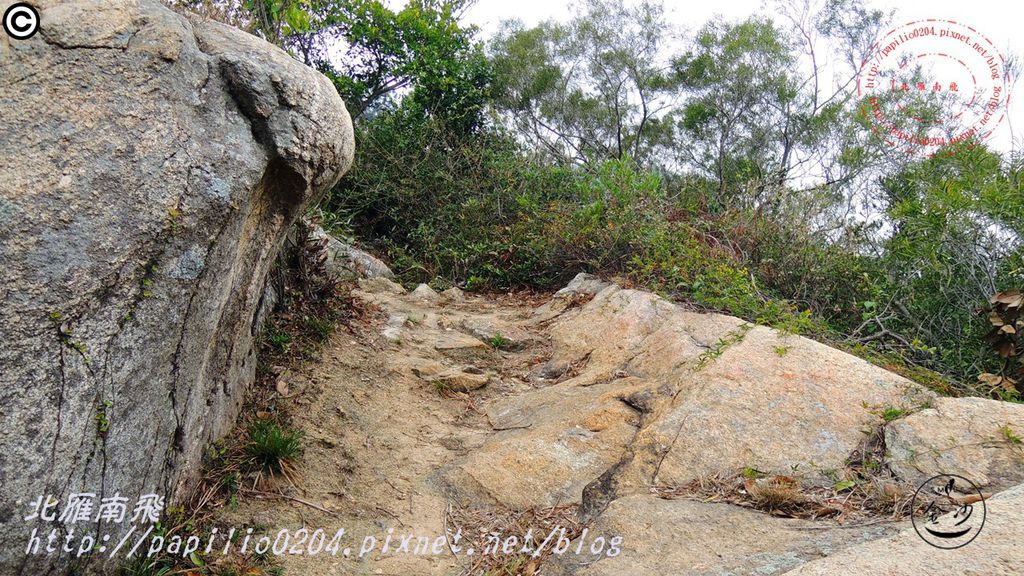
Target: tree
{"x":276,"y":21}
{"x":739,"y":87}
{"x":593,"y":89}
{"x":763,"y":116}
{"x":420,"y":48}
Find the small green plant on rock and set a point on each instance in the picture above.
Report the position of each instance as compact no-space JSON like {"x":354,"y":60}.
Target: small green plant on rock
{"x":173,"y":214}
{"x":891,"y":413}
{"x":102,"y":420}
{"x":1010,"y":435}
{"x":498,"y":341}
{"x":734,"y":337}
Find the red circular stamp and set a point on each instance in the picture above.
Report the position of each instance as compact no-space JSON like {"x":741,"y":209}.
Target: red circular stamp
{"x":929,"y":84}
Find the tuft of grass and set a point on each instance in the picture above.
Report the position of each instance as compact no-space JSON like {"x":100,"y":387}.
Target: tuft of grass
{"x":750,"y":472}
{"x":319,"y":328}
{"x":263,"y":558}
{"x":281,"y":340}
{"x":1010,"y":436}
{"x":843,"y":485}
{"x":891,"y":413}
{"x":777,"y":493}
{"x":231,"y":482}
{"x":146,"y":567}
{"x":498,"y":341}
{"x":271,"y":447}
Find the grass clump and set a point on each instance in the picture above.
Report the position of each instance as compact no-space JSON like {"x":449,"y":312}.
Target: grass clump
{"x":146,"y":567}
{"x":1011,"y":436}
{"x":890,"y":413}
{"x":498,"y":341}
{"x":272,"y":448}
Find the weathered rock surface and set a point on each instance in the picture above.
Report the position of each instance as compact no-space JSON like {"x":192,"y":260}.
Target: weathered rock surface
{"x":716,"y":395}
{"x":976,"y":438}
{"x":551,"y":443}
{"x":996,"y":551}
{"x":801,"y":411}
{"x":454,"y":295}
{"x":458,"y":379}
{"x":150,"y":167}
{"x":685,"y":537}
{"x":349,"y":263}
{"x":582,"y":287}
{"x":426,"y":293}
{"x":374,"y":284}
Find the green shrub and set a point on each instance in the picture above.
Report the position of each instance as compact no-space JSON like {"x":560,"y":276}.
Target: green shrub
{"x":271,"y":447}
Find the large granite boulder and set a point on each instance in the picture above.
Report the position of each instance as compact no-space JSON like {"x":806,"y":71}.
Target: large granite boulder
{"x":692,"y":538}
{"x":977,"y":438}
{"x":650,"y":393}
{"x":150,"y":167}
{"x":996,"y":550}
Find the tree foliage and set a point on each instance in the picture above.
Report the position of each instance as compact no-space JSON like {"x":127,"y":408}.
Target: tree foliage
{"x":373,"y":53}
{"x":593,"y":89}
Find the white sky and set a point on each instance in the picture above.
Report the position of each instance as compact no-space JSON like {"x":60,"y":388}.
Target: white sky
{"x":999,"y":20}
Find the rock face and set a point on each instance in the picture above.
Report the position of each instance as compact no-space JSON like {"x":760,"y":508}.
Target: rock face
{"x":687,"y":537}
{"x":550,"y":444}
{"x":995,"y":552}
{"x":979,"y":439}
{"x":778,"y":404}
{"x":653,"y":394}
{"x":348,"y":262}
{"x":150,"y":167}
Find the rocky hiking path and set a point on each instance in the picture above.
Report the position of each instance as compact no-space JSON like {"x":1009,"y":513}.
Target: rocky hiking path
{"x":709,"y":446}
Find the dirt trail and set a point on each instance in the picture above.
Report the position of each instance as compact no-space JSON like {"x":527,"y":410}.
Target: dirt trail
{"x":450,"y":414}
{"x":383,"y":411}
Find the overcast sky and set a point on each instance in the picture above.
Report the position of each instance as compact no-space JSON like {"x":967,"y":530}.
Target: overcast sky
{"x":1000,"y":21}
